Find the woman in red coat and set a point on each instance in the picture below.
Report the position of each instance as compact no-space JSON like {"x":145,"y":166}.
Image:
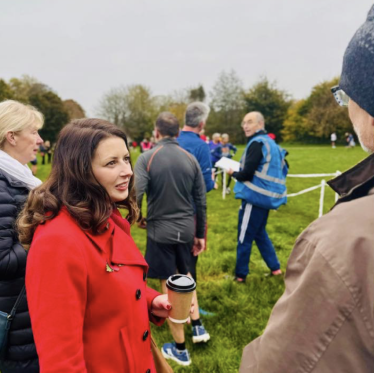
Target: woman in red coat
{"x":85,"y":278}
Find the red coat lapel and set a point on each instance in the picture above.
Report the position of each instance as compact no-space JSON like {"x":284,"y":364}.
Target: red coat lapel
{"x":124,"y":250}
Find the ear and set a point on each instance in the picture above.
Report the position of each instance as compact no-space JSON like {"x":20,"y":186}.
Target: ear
{"x":11,"y":138}
{"x":157,"y":134}
{"x":371,"y":121}
{"x":201,"y":126}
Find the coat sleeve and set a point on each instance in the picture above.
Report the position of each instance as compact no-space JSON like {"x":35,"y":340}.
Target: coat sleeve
{"x":253,"y":158}
{"x":12,"y":254}
{"x":305,"y":320}
{"x":217,"y":152}
{"x":152,"y":294}
{"x":199,"y":198}
{"x":56,"y":284}
{"x":206,"y":166}
{"x":141,"y":179}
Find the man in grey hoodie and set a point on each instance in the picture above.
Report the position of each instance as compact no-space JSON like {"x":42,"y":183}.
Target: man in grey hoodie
{"x":172,"y":179}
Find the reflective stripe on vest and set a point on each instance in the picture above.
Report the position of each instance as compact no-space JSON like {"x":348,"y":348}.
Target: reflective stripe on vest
{"x":264,"y":191}
{"x":261,"y":175}
{"x":267,"y":189}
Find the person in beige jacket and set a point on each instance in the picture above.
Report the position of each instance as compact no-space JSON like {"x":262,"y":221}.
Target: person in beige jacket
{"x":324,"y":321}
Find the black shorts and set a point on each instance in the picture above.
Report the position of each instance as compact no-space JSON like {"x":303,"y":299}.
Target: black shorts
{"x":166,"y":259}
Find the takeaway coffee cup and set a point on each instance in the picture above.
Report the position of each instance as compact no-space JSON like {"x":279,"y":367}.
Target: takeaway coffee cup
{"x":180,"y":291}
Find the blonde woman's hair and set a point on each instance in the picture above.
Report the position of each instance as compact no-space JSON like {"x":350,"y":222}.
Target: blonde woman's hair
{"x":15,"y":117}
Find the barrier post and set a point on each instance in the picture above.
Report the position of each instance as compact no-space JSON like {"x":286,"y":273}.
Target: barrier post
{"x":336,"y":194}
{"x":322,"y":196}
{"x":224,"y":184}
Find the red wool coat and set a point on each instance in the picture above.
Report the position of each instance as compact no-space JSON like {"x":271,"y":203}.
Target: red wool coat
{"x":88,"y":299}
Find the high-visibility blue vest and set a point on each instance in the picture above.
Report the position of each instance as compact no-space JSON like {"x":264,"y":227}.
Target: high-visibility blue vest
{"x":267,"y":189}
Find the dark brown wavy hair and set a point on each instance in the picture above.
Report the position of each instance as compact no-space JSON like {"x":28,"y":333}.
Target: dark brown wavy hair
{"x":72,"y":183}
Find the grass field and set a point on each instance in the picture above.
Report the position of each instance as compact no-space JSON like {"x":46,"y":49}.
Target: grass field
{"x":242,"y":310}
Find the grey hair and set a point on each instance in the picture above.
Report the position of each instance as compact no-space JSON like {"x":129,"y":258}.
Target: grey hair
{"x":196,"y":113}
{"x":225,"y":136}
{"x":260,"y":117}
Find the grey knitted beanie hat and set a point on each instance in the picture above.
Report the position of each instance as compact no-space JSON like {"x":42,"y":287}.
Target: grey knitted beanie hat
{"x":357,"y":79}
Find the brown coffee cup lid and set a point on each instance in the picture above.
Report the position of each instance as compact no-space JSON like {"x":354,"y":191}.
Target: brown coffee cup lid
{"x":181,"y":283}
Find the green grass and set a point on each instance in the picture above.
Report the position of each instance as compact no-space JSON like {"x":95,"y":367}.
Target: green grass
{"x":242,"y":310}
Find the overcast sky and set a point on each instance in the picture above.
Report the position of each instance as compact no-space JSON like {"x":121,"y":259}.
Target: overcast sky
{"x":82,"y":48}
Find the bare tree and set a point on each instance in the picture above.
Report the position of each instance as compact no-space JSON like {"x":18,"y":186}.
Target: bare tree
{"x":132,"y":108}
{"x":227,"y":103}
{"x":113,"y":106}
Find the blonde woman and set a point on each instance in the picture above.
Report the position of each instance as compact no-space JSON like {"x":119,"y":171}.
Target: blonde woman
{"x":19,"y":143}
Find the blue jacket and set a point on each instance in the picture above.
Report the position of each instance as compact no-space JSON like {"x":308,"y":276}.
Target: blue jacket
{"x":213,"y":156}
{"x":267,"y":189}
{"x":192,"y":142}
{"x":224,"y":150}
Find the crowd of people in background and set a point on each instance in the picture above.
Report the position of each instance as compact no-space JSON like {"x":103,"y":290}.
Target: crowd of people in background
{"x":349,"y":140}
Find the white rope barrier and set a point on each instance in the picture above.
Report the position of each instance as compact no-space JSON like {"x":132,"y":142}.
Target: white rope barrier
{"x":321,"y":198}
{"x":224,"y":177}
{"x":304,"y":191}
{"x":313,"y":175}
{"x":322,"y":185}
{"x":336,"y":194}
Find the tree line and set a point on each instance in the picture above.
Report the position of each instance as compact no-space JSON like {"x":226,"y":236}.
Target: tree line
{"x":57,"y":112}
{"x":134,"y":108}
{"x":311,"y":120}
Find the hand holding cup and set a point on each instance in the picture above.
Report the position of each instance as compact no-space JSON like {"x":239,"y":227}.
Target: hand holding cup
{"x":180,"y":293}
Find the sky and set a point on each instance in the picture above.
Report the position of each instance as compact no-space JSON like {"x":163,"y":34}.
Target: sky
{"x":83,"y":48}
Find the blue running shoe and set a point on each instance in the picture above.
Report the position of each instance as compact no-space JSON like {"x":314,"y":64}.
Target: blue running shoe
{"x":199,"y":334}
{"x":169,"y":351}
{"x":205,"y":313}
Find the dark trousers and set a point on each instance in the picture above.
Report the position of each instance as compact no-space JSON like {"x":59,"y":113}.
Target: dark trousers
{"x":252,"y":227}
{"x":193,"y":263}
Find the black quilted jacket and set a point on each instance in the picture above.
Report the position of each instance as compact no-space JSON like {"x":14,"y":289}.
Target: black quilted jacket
{"x":21,"y":353}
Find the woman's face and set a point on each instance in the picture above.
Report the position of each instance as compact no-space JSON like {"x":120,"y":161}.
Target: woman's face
{"x":112,"y":169}
{"x":26,"y":144}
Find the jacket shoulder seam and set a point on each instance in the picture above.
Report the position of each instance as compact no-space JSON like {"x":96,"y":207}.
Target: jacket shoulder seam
{"x":185,"y":151}
{"x":152,"y":156}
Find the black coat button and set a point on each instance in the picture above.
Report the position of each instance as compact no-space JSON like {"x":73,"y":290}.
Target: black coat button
{"x":148,"y":371}
{"x":138,"y":294}
{"x":144,"y":276}
{"x":145,"y":335}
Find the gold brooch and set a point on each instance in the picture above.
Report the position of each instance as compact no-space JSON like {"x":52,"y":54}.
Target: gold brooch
{"x":112,"y":268}
{"x":108,"y":268}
